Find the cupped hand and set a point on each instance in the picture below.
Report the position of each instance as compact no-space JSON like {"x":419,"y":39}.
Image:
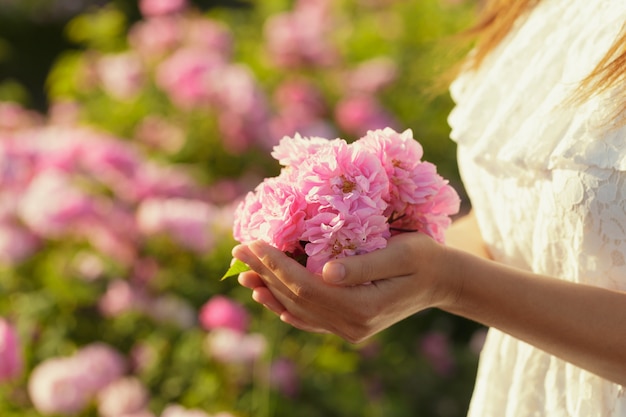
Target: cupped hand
{"x":356,"y":296}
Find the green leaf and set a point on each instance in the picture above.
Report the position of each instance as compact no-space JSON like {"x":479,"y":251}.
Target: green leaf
{"x":236,"y":268}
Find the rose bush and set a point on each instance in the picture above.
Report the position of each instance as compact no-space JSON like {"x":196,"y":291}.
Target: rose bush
{"x":117,"y":203}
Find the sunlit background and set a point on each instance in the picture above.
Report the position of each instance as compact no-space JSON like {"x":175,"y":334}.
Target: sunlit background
{"x":129,"y":132}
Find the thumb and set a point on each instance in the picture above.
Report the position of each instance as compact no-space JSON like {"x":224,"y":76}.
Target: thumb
{"x":397,"y":259}
{"x":352,"y":270}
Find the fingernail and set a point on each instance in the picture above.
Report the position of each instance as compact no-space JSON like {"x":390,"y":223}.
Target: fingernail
{"x":334,"y":272}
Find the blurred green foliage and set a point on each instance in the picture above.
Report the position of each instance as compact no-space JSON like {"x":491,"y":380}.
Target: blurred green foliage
{"x":42,"y":48}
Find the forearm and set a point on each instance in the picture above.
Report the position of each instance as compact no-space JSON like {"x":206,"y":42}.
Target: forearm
{"x":581,"y":324}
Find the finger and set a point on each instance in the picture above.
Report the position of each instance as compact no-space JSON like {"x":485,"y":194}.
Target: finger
{"x":281,"y":271}
{"x":264,"y":296}
{"x":292,"y":320}
{"x":276,"y":270}
{"x":250,"y":279}
{"x":265,"y":274}
{"x":392,"y":261}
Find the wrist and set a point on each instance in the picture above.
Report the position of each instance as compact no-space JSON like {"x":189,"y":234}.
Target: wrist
{"x":448,"y":277}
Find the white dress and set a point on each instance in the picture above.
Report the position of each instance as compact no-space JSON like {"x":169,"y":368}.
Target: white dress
{"x":547,"y":182}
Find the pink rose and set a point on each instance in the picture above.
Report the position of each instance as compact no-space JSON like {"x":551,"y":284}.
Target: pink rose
{"x":344,"y":179}
{"x":332,"y":236}
{"x":293,"y":151}
{"x":333,"y":199}
{"x":223,"y":312}
{"x":10,"y":354}
{"x":275,"y":213}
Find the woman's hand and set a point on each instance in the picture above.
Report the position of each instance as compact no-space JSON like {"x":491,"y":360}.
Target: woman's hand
{"x":356,"y":296}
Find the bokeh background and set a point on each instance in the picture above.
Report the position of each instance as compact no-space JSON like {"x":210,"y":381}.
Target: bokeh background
{"x":128,"y":133}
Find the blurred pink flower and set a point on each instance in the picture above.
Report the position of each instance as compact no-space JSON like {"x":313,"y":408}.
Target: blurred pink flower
{"x":300,"y":37}
{"x":155,"y":37}
{"x":243,"y":110}
{"x":233,"y":347}
{"x":64,"y":113}
{"x":435,"y":346}
{"x":56,"y":386}
{"x":187,"y":77}
{"x":157,"y":181}
{"x":211,"y":35}
{"x":112,"y":231}
{"x":161,"y":7}
{"x":65,"y":206}
{"x":122,"y":75}
{"x":10,"y":352}
{"x":175,"y":410}
{"x":16,"y":242}
{"x":67,"y":385}
{"x":100,"y":364}
{"x":371,"y":76}
{"x":123,"y":397}
{"x":160,"y":133}
{"x":121,"y":297}
{"x":87,"y":265}
{"x":301,"y":97}
{"x":223,"y":312}
{"x":140,"y":413}
{"x":284,"y":377}
{"x":300,"y":109}
{"x":187,"y":222}
{"x":14,"y":117}
{"x":143,"y":357}
{"x":172,"y":310}
{"x":358,"y":114}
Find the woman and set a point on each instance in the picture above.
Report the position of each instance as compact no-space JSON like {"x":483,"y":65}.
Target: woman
{"x":541,"y":259}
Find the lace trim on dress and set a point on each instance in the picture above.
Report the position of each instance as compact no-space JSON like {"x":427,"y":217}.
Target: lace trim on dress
{"x":544,"y":66}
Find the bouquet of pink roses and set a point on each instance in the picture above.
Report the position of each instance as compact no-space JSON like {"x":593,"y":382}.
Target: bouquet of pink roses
{"x":333,"y":199}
